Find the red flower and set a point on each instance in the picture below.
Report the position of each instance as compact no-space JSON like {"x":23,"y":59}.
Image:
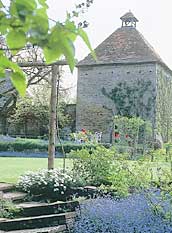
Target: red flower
{"x":127,"y":136}
{"x":116,"y":135}
{"x":84,"y":131}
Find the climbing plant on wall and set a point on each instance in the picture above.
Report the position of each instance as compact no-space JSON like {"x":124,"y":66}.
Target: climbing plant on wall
{"x":134,"y":98}
{"x":164,"y":106}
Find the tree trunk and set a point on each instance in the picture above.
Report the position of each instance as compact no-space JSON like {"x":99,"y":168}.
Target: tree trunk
{"x":53,"y":117}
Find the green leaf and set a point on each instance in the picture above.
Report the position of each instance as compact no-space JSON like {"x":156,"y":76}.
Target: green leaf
{"x":25,"y":5}
{"x":4,"y":23}
{"x":54,"y":35}
{"x":52,"y":54}
{"x":3,"y":28}
{"x":19,"y":82}
{"x":22,"y":9}
{"x":41,"y":16}
{"x":13,"y":9}
{"x":1,"y":4}
{"x":4,"y":62}
{"x":53,"y":50}
{"x":69,"y":52}
{"x":2,"y":72}
{"x":16,"y":23}
{"x":60,"y":43}
{"x":43,"y":3}
{"x":17,"y":76}
{"x":16,"y":68}
{"x":84,"y":36}
{"x":16,"y":40}
{"x":70,"y":30}
{"x":2,"y":14}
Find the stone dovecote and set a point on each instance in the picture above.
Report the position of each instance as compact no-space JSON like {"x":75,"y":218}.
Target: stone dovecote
{"x":125,"y":58}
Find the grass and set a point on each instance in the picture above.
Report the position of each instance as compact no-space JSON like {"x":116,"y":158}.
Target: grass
{"x":12,"y":168}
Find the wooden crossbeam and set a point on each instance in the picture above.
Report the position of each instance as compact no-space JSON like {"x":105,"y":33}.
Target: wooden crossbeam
{"x":38,"y":64}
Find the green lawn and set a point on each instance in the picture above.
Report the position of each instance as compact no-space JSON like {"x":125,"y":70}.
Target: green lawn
{"x":12,"y":168}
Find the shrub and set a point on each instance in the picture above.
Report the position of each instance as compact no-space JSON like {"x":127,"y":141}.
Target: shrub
{"x":105,"y":168}
{"x":93,"y":165}
{"x":22,"y":145}
{"x":8,"y":209}
{"x":49,"y":184}
{"x":132,"y":132}
{"x":30,"y":144}
{"x":126,"y":178}
{"x":132,"y":214}
{"x":5,"y":146}
{"x":158,"y":155}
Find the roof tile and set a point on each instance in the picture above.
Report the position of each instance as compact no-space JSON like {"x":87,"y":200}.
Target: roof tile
{"x":125,"y":45}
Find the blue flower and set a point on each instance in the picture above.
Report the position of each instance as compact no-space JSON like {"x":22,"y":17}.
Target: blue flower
{"x":131,"y":215}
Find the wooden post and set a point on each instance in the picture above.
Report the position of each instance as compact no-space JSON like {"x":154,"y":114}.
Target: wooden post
{"x":53,"y":117}
{"x":53,"y":105}
{"x":57,"y":126}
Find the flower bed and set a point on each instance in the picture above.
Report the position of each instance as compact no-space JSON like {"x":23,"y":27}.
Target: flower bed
{"x":133,"y":214}
{"x":47,"y":184}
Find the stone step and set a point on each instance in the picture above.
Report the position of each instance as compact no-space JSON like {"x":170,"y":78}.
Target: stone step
{"x":56,"y":229}
{"x":5,"y":187}
{"x":2,"y":219}
{"x":29,"y":209}
{"x":36,"y":222}
{"x":14,"y":196}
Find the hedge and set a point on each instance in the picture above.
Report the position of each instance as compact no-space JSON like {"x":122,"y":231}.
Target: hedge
{"x":24,"y":145}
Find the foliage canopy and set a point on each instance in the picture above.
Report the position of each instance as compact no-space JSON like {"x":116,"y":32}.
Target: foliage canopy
{"x":26,"y":23}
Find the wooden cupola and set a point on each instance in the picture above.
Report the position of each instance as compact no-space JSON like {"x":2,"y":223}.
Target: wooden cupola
{"x":129,"y":20}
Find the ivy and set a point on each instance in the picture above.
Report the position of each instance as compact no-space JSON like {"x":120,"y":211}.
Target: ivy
{"x":128,"y":98}
{"x":164,"y":106}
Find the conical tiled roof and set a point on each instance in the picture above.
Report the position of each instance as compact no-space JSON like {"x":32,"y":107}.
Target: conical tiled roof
{"x":125,"y":45}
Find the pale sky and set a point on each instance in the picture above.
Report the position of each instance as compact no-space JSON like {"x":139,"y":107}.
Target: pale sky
{"x":155,"y":23}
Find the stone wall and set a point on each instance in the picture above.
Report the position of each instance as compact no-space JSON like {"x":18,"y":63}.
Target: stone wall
{"x":94,"y":110}
{"x":31,"y":128}
{"x":164,"y":102}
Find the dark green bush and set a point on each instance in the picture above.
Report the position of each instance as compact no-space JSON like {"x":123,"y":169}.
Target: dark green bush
{"x":32,"y":145}
{"x":22,"y":146}
{"x":5,"y":146}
